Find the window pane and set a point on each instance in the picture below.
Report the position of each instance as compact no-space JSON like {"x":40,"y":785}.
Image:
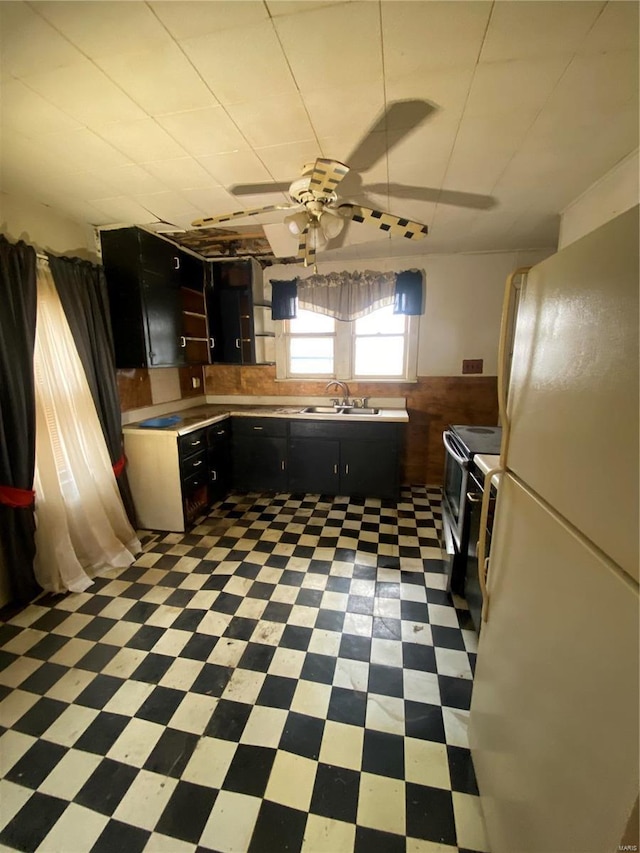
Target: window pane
{"x":309,"y":322}
{"x":379,"y":356}
{"x":312,"y":355}
{"x":382,"y":321}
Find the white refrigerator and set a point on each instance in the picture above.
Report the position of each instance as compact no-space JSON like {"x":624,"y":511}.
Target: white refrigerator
{"x":554,"y":719}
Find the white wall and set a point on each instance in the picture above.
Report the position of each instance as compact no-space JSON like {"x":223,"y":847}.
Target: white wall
{"x":616,"y":191}
{"x":43,"y":228}
{"x":463,"y":302}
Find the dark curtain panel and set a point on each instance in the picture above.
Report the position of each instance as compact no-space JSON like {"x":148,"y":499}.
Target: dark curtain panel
{"x":284,"y":300}
{"x":408,"y":296}
{"x":83,"y":293}
{"x":17,"y":416}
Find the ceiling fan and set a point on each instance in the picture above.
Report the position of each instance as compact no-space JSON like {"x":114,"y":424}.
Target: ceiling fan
{"x":318,"y":216}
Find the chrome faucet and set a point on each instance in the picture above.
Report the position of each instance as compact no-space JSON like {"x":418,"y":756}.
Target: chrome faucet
{"x":346,"y":402}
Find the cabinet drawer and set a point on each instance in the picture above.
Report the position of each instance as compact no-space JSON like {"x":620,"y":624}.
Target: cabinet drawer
{"x":218,"y":432}
{"x":339,"y":429}
{"x":194,"y":464}
{"x":192,"y":443}
{"x":273,"y":427}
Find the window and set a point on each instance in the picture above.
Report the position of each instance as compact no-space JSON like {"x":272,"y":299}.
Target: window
{"x":380,"y":345}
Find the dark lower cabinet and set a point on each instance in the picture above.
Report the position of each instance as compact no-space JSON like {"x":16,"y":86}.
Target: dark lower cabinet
{"x":318,"y":457}
{"x":368,"y":468}
{"x":314,"y":465}
{"x":219,"y":460}
{"x":260,"y":454}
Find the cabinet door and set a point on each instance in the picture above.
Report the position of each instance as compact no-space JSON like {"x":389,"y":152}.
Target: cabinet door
{"x":218,"y":441}
{"x":259,"y":463}
{"x":314,"y":466}
{"x":368,"y":468}
{"x":163,"y":320}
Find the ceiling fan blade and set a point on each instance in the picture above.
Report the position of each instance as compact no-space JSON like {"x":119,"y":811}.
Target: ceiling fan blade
{"x":256,"y":189}
{"x":398,"y":119}
{"x":452,"y":197}
{"x":326,"y":175}
{"x":306,"y":252}
{"x":239,"y":214}
{"x":394,"y":225}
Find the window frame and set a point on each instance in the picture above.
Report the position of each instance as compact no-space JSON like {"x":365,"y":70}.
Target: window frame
{"x":344,"y":338}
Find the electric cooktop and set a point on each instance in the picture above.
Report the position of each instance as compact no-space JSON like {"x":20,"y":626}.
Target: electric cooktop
{"x":479,"y":439}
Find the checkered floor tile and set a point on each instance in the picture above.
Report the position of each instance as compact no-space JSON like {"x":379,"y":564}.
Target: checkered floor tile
{"x":288,"y":676}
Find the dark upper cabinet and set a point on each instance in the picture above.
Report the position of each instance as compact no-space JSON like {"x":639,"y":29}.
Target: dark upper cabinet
{"x":238,"y":325}
{"x":156,"y":298}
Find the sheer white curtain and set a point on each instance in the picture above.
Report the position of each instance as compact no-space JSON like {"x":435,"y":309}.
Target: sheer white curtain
{"x":82,"y":527}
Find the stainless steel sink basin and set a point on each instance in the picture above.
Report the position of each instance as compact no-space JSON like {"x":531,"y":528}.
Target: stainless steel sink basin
{"x":333,"y":410}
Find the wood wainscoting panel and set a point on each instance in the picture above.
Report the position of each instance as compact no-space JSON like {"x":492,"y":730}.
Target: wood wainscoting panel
{"x":433,"y":402}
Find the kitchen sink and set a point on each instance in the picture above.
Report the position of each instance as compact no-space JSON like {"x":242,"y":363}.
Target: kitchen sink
{"x":333,"y":410}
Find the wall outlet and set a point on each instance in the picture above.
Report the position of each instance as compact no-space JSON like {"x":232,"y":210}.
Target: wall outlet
{"x":195,"y":382}
{"x":472,"y":365}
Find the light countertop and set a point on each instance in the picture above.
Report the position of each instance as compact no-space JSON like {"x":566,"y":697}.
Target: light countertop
{"x":200,"y":416}
{"x":487,"y":462}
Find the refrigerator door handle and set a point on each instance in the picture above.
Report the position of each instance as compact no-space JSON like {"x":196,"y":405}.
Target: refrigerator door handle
{"x":503,"y":348}
{"x":483,"y":559}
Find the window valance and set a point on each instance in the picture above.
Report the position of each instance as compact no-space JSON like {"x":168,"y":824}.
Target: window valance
{"x":348,"y":295}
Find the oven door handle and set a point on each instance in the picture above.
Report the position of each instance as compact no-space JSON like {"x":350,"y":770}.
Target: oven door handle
{"x":462,"y":462}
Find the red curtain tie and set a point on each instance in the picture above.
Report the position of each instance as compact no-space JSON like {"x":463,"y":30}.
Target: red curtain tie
{"x":118,"y":467}
{"x":17,"y":498}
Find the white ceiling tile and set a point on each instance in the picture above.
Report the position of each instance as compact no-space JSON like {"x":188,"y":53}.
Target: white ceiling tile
{"x":205,"y":18}
{"x":500,"y":87}
{"x":419,"y":36}
{"x":122,"y":209}
{"x":333,"y":46}
{"x":28,"y":44}
{"x":615,"y":29}
{"x":161,"y":80}
{"x":133,"y":180}
{"x":31,"y":114}
{"x":242,"y":64}
{"x":294,"y":7}
{"x":235,"y":167}
{"x":181,"y":173}
{"x":141,"y":140}
{"x":208,"y":131}
{"x":272,"y":121}
{"x":84,"y":185}
{"x":167,"y":205}
{"x":84,"y":150}
{"x":445,"y":88}
{"x":84,"y":92}
{"x":530,"y":29}
{"x":285,"y":162}
{"x":212,"y":201}
{"x":104,"y":28}
{"x":338,"y":112}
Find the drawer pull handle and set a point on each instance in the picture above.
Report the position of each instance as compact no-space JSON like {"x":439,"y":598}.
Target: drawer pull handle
{"x":176,"y":263}
{"x":237,"y":343}
{"x":212,"y":343}
{"x":195,"y":464}
{"x":183,"y":341}
{"x":255,"y":427}
{"x":220,"y":432}
{"x":196,"y":443}
{"x":214,"y":475}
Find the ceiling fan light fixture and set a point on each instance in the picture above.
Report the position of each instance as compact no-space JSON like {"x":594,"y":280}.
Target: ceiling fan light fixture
{"x":296,"y":223}
{"x":331,"y":224}
{"x":317,"y":239}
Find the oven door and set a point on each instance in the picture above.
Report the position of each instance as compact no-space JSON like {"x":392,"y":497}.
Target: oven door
{"x":456,"y":474}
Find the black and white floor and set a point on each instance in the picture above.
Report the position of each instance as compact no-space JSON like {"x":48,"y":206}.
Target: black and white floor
{"x":289,"y":676}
